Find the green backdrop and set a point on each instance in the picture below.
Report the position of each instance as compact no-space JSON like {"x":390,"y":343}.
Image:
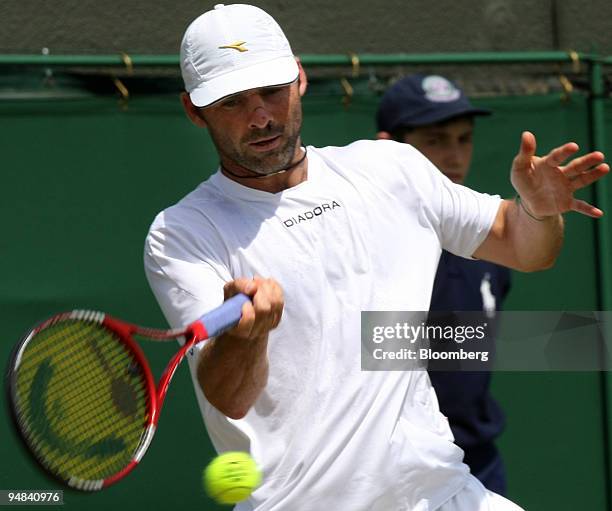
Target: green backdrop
{"x":82,"y":179}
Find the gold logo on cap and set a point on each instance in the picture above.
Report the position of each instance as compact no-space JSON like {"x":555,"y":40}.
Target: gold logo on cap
{"x":238,"y":45}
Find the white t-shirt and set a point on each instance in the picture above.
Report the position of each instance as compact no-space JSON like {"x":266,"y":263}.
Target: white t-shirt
{"x":363,"y":232}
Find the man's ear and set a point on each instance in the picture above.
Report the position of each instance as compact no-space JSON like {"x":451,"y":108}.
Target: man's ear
{"x":383,"y":135}
{"x":302,"y":78}
{"x":192,"y":111}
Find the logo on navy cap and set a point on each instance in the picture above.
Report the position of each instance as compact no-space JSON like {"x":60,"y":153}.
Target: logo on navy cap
{"x":439,"y":89}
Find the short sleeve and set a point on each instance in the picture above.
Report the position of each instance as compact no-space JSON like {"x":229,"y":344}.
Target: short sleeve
{"x":186,"y":277}
{"x":461,"y":217}
{"x":466,"y":217}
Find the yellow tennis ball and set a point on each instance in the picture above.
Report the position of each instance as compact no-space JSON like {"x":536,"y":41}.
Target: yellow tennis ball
{"x":231,"y":477}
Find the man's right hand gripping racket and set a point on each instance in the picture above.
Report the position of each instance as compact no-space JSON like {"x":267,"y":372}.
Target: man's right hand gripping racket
{"x":82,"y":394}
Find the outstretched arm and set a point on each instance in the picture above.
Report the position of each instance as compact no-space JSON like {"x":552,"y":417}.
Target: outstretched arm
{"x":233,"y":368}
{"x":527,"y":233}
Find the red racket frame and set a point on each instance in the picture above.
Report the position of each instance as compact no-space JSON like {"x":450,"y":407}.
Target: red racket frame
{"x":217,"y":320}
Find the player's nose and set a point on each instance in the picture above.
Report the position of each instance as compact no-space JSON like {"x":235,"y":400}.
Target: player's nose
{"x":260,"y":116}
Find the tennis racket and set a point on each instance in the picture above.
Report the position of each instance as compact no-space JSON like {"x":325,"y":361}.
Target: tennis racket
{"x":82,"y":394}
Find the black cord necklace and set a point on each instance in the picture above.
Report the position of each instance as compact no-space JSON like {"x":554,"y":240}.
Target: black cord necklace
{"x":261,"y":176}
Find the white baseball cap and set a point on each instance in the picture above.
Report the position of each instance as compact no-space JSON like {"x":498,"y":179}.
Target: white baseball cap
{"x":234,"y":48}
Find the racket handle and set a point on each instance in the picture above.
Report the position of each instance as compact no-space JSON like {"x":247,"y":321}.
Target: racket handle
{"x":225,"y":316}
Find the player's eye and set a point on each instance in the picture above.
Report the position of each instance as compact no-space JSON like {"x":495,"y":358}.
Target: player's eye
{"x":273,"y":92}
{"x":229,"y":104}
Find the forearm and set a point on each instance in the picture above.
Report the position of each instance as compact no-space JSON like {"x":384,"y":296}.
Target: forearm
{"x":232,"y":372}
{"x":536,"y":243}
{"x":520,"y":242}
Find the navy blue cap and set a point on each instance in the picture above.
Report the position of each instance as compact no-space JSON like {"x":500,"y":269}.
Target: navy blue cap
{"x":419,"y":100}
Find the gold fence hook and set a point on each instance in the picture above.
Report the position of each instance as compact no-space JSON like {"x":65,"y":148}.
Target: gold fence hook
{"x":123,"y":90}
{"x":127,"y":61}
{"x":355,"y":64}
{"x":346,"y":86}
{"x":568,"y":88}
{"x":119,"y":85}
{"x":573,"y":55}
{"x":348,"y":92}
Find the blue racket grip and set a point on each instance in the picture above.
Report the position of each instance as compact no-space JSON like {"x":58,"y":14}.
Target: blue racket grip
{"x":225,"y":316}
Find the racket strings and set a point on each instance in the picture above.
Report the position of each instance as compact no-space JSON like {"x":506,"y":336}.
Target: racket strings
{"x":82,"y":399}
{"x":85,"y":420}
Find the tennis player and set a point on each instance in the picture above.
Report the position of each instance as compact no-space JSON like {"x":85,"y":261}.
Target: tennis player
{"x":315,"y":236}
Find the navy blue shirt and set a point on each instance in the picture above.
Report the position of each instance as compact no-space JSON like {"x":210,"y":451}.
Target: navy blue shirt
{"x":475,"y":417}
